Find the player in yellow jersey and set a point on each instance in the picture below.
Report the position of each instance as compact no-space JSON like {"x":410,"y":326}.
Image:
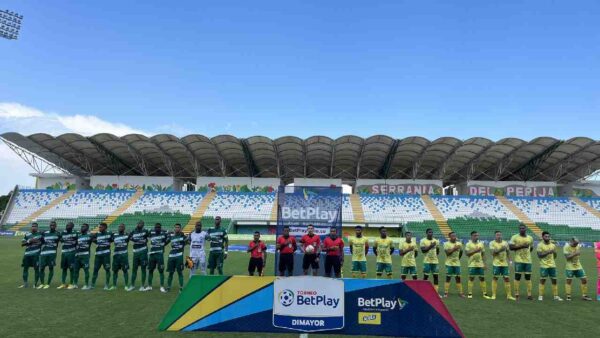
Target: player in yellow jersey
{"x":476,"y":252}
{"x":359,"y":246}
{"x":453,"y":249}
{"x":431,"y":249}
{"x":500,"y":251}
{"x":546,"y":251}
{"x":409,"y":251}
{"x":383,"y":249}
{"x":522,"y":245}
{"x":572,"y":251}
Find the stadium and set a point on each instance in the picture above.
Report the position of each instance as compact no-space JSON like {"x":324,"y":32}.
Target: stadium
{"x":405,"y":185}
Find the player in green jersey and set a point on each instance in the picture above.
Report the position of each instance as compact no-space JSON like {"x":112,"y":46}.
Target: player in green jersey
{"x":121,"y":257}
{"x":156,"y":260}
{"x":546,"y":251}
{"x":31,"y":259}
{"x":409,"y":250}
{"x":139,"y":237}
{"x":476,"y":252}
{"x":175,"y":262}
{"x":454,"y":250}
{"x":68,"y":237}
{"x":572,"y":251}
{"x":522,"y":245}
{"x":102,"y":239}
{"x":359,"y":246}
{"x":218,"y":247}
{"x":500,"y":252}
{"x":50,"y":240}
{"x":82,"y":257}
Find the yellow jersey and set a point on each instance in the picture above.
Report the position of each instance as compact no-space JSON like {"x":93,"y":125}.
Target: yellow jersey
{"x":522,"y":255}
{"x":454,"y":258}
{"x":383,"y":246}
{"x":409,"y":258}
{"x":501,"y":258}
{"x":431,"y":255}
{"x":359,"y":248}
{"x":547,"y":261}
{"x":573,"y":263}
{"x":475,"y":260}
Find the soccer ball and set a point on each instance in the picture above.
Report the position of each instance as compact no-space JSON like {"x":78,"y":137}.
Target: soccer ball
{"x":310,"y":249}
{"x":286,"y":297}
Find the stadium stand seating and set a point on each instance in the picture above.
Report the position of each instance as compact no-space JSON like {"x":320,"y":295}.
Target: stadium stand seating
{"x":242,"y":205}
{"x":593,"y":202}
{"x":347,"y":215}
{"x":560,"y":216}
{"x":27,"y":202}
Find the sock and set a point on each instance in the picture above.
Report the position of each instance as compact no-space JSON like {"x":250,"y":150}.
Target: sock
{"x":150,"y":277}
{"x":106,"y":277}
{"x":555,"y":290}
{"x":161,"y":274}
{"x":42,"y":274}
{"x":507,"y":289}
{"x":517,"y":287}
{"x":36,"y":275}
{"x":86,"y":276}
{"x":170,"y":280}
{"x":483,"y":286}
{"x":50,"y":274}
{"x":584,"y":289}
{"x":25,"y":275}
{"x":541,"y":290}
{"x":495,"y":287}
{"x":529,"y":287}
{"x":115,"y":275}
{"x":220,"y":271}
{"x":133,"y":276}
{"x":143,"y":276}
{"x":72,"y":273}
{"x":63,"y":277}
{"x":568,"y":289}
{"x":94,"y":277}
{"x":446,"y":287}
{"x":460,"y":288}
{"x":75,"y":278}
{"x":470,"y":287}
{"x":126,"y":277}
{"x":180,"y":275}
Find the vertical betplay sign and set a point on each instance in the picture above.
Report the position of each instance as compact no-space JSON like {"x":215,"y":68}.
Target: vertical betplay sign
{"x":597,"y":250}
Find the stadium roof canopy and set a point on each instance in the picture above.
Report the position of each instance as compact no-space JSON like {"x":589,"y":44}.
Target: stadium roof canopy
{"x":347,"y":157}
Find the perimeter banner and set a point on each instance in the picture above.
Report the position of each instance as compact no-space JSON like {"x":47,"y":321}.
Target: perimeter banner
{"x":597,"y":249}
{"x":373,"y":307}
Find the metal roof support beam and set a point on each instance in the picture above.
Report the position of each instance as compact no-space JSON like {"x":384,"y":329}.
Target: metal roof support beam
{"x":528,"y":169}
{"x":561,"y":164}
{"x":362,"y":148}
{"x":36,"y":162}
{"x":389,"y":159}
{"x":117,"y":164}
{"x":252,"y":167}
{"x":588,"y":164}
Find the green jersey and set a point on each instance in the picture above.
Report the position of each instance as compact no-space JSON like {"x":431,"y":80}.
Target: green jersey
{"x":33,"y":243}
{"x":217,"y":238}
{"x":121,"y":243}
{"x":158,"y":241}
{"x":69,"y":241}
{"x":140,"y":240}
{"x":84,"y":244}
{"x":177,"y":244}
{"x":103,"y":240}
{"x":50,"y":241}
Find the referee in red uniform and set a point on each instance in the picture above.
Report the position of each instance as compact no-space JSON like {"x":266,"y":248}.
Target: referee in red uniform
{"x":334,"y":247}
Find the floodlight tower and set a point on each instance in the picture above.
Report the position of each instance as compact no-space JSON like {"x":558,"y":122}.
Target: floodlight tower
{"x":10,"y":24}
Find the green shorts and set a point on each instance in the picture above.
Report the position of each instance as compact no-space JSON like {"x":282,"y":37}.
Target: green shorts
{"x":523,"y":268}
{"x":477,"y":272}
{"x":47,"y":260}
{"x":381,"y":267}
{"x":31,"y":261}
{"x":452,"y":270}
{"x":175,"y":263}
{"x":408,"y":271}
{"x":215,"y":260}
{"x":359,"y":266}
{"x":429,"y":268}
{"x":120,"y":262}
{"x":580,"y":273}
{"x":548,"y":272}
{"x":102,"y":261}
{"x":82,"y":261}
{"x":156,"y":261}
{"x":500,"y":271}
{"x":140,"y":259}
{"x":67,"y":260}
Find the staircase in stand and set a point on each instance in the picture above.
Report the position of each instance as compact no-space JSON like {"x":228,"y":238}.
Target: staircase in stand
{"x":586,"y":206}
{"x":520,"y":215}
{"x":42,"y":210}
{"x":121,"y":209}
{"x":439,"y":218}
{"x":199,"y":212}
{"x":357,"y":210}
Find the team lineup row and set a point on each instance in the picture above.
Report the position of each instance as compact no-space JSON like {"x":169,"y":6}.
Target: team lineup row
{"x":41,"y":252}
{"x":521,"y":243}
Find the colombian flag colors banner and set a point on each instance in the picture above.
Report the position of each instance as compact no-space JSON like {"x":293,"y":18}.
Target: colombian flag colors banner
{"x":370,"y":307}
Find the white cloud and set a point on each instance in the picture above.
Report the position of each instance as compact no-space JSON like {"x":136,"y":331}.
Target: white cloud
{"x":26,"y":120}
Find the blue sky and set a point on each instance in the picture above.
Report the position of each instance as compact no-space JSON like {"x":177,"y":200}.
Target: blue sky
{"x":401,"y":68}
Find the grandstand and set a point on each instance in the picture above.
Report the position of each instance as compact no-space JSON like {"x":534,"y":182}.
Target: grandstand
{"x":350,"y":158}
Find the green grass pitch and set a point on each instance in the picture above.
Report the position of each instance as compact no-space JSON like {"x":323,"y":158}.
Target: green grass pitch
{"x":99,"y":313}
